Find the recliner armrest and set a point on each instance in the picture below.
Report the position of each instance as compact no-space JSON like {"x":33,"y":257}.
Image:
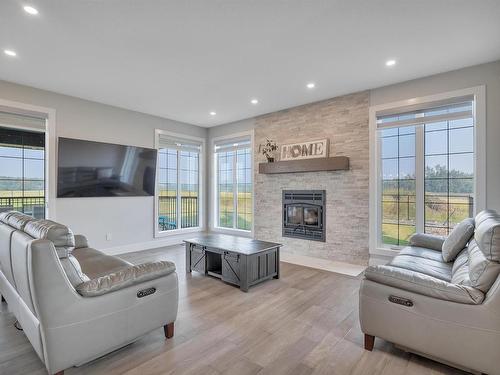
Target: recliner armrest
{"x":423,"y":284}
{"x":429,"y":241}
{"x":125,"y":277}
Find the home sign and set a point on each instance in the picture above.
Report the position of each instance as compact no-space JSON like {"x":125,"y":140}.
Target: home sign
{"x":305,"y":150}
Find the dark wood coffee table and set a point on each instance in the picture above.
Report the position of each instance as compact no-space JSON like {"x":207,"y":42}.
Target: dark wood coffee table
{"x":237,"y":260}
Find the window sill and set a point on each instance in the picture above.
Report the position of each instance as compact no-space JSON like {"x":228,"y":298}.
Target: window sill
{"x":233,"y":231}
{"x":174,"y":232}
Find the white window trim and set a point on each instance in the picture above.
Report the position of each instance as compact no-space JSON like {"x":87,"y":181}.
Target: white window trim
{"x":201,"y":182}
{"x":214,"y":219}
{"x":50,"y":146}
{"x":479,"y":113}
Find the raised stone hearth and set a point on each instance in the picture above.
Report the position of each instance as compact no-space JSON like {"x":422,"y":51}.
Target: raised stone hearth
{"x":344,"y":121}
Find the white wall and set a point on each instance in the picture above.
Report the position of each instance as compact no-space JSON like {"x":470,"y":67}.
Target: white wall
{"x":128,"y":219}
{"x":485,"y":74}
{"x":231,"y":128}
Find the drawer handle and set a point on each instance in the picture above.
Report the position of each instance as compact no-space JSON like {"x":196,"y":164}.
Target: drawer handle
{"x":401,"y":301}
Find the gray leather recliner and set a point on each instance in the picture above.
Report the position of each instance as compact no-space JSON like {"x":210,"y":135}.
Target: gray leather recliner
{"x":440,"y":297}
{"x":75,"y":303}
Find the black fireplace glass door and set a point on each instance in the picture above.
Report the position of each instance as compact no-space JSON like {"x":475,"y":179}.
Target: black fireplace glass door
{"x":295,"y":215}
{"x":311,"y":216}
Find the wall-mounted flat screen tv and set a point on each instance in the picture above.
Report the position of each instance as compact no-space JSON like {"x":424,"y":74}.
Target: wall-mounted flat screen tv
{"x":96,"y":169}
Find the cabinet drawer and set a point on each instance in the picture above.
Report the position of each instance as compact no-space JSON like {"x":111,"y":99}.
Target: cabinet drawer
{"x":231,"y":268}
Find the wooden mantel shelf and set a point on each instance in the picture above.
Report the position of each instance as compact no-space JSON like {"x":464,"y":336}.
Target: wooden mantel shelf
{"x":336,"y":163}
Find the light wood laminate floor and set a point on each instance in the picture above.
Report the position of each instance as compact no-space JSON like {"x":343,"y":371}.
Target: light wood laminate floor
{"x":304,"y":323}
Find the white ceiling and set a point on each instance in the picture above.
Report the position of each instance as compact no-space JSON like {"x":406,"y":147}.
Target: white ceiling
{"x":182,"y":59}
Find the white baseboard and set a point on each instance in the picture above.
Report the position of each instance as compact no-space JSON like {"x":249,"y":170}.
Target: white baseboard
{"x":130,"y":248}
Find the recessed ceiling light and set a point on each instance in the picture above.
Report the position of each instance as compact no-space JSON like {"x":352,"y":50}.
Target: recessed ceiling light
{"x":390,"y":63}
{"x":254,"y":101}
{"x":213,"y":113}
{"x":311,"y":85}
{"x":9,"y":52}
{"x":30,"y":10}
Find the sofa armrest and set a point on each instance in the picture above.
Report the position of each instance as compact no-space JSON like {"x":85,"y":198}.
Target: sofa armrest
{"x":125,"y":277}
{"x":81,"y":241}
{"x":423,"y":284}
{"x":429,"y":241}
{"x":77,"y":329}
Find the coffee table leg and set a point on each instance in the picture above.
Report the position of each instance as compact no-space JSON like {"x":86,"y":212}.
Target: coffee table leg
{"x":244,"y":273}
{"x":277,"y":263}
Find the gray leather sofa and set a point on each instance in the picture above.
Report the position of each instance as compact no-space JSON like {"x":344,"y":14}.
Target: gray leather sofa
{"x":440,"y":297}
{"x":73,"y":302}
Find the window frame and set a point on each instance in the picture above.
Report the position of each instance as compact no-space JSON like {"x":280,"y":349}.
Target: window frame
{"x":214,"y":219}
{"x":201,"y":186}
{"x":23,"y":158}
{"x":49,"y":115}
{"x":478,"y":94}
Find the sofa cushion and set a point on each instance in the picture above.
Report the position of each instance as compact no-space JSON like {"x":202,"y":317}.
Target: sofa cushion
{"x":95,"y":263}
{"x":458,"y":239}
{"x":16,"y":219}
{"x":61,"y":236}
{"x":423,"y":284}
{"x":487,"y":234}
{"x":126,"y":277}
{"x":73,"y":271}
{"x":460,"y":269}
{"x":434,"y":268}
{"x":482,"y":271}
{"x":429,"y":241}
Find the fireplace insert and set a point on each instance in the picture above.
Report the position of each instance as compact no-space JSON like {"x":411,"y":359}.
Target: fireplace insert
{"x":304,"y":214}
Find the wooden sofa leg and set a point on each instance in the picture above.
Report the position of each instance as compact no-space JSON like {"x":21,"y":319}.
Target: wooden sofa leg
{"x":60,"y":373}
{"x":369,"y":342}
{"x":169,"y":330}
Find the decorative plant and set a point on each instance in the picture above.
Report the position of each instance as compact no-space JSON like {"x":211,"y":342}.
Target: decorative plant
{"x":268,"y":149}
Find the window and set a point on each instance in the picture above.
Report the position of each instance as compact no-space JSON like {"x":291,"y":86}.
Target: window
{"x":398,"y":184}
{"x":22,"y":171}
{"x":178,"y":193}
{"x":234,"y":203}
{"x":427,"y":175}
{"x":449,"y":172}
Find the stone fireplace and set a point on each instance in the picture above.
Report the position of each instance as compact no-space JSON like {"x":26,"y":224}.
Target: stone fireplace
{"x":344,"y":122}
{"x":304,"y":214}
